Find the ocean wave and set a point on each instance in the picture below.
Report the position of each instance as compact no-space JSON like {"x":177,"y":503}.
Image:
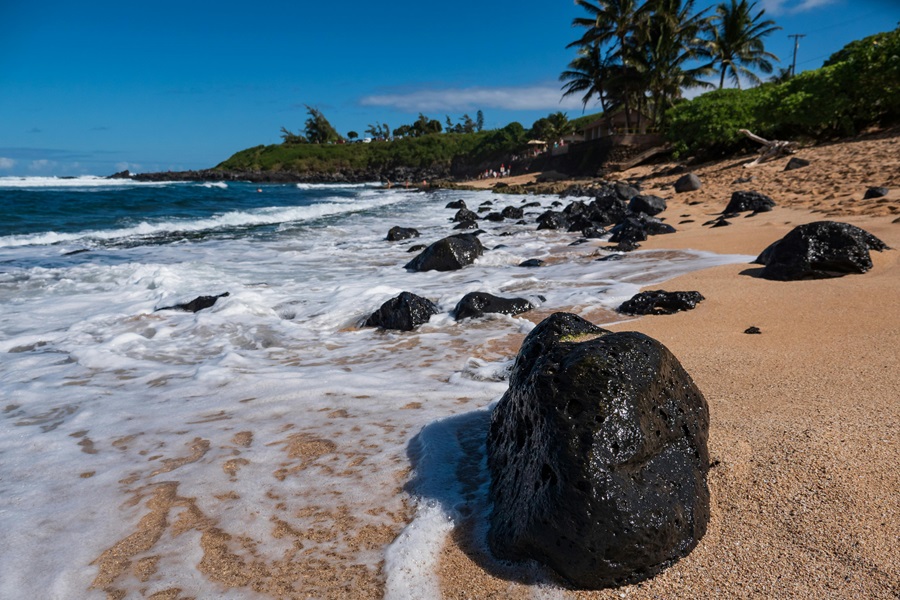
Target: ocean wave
{"x":273,"y":215}
{"x":336,"y":186}
{"x":87,"y":181}
{"x":214,"y":184}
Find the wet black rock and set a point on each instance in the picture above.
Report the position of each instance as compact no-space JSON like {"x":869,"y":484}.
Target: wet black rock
{"x":477,"y":304}
{"x":552,"y":219}
{"x":512,"y":212}
{"x":464,"y":214}
{"x":659,"y":302}
{"x":743,"y":201}
{"x":598,"y":456}
{"x":401,"y":233}
{"x":448,"y":254}
{"x":532,"y":205}
{"x":405,"y":312}
{"x":416,"y":247}
{"x":876,"y":192}
{"x":628,"y":231}
{"x":466,"y":225}
{"x":796,"y":163}
{"x":456,"y":204}
{"x":688,"y":183}
{"x":197,"y":304}
{"x":532,"y":262}
{"x":753,"y":330}
{"x":647,"y":204}
{"x":819,"y":250}
{"x":494,"y":216}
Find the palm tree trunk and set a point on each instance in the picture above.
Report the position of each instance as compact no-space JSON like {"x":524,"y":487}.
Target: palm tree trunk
{"x":722,"y":78}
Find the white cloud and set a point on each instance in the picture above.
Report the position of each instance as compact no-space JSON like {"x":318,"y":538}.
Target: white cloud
{"x":465,"y":99}
{"x":778,"y":7}
{"x":42,"y":165}
{"x":6,"y":163}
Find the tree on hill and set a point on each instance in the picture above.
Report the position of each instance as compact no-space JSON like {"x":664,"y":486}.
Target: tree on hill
{"x":290,"y":138}
{"x":552,"y":128}
{"x":737,"y":42}
{"x":479,"y":121}
{"x":352,"y":135}
{"x":424,"y":126}
{"x":318,"y":130}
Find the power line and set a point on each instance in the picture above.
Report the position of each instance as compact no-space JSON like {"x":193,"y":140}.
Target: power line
{"x":796,"y":37}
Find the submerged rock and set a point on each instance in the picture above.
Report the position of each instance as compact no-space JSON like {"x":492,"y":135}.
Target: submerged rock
{"x":405,"y":312}
{"x":743,"y":201}
{"x":659,"y":302}
{"x":598,"y":456}
{"x":395,"y":234}
{"x":819,"y":250}
{"x":456,"y":204}
{"x":464,"y":214}
{"x":197,"y":304}
{"x":477,"y":304}
{"x":448,"y":254}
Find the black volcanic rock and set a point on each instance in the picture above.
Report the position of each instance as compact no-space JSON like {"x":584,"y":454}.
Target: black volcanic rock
{"x":872,"y":192}
{"x":456,"y":204}
{"x":477,"y":304}
{"x":448,"y":254}
{"x":197,"y":304}
{"x":395,"y":234}
{"x":552,"y":219}
{"x":625,"y":191}
{"x":466,"y":225}
{"x":512,"y":212}
{"x":819,"y":250}
{"x":532,"y":262}
{"x":629,"y":231}
{"x":659,"y":302}
{"x":743,"y":201}
{"x":598,"y":456}
{"x":688,"y":183}
{"x":796,"y":163}
{"x":405,"y":312}
{"x":647,"y":204}
{"x":464,"y":214}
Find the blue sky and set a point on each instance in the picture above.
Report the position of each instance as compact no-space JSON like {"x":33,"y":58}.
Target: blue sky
{"x":97,"y":86}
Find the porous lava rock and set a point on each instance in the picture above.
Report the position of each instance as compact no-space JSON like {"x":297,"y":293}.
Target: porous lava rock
{"x":197,"y":304}
{"x":647,"y":204}
{"x":395,"y":234}
{"x":743,"y":201}
{"x":688,"y":183}
{"x":405,"y":312}
{"x":629,"y":231}
{"x":819,"y":250}
{"x":477,"y":304}
{"x":464,"y":214}
{"x":552,"y":219}
{"x":598,"y":456}
{"x":660,"y":302}
{"x":456,"y":204}
{"x":876,"y":192}
{"x":448,"y":254}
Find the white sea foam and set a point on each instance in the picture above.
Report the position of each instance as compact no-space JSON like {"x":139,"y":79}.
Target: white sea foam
{"x":338,"y":186}
{"x":85,"y":181}
{"x":214,"y":184}
{"x":271,"y":407}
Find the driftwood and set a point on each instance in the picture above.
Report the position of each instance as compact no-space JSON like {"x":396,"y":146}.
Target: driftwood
{"x":770,"y":149}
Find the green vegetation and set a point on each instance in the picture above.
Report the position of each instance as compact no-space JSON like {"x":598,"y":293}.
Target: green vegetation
{"x":858,"y":87}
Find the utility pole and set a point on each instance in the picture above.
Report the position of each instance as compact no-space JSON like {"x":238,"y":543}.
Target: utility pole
{"x":796,"y":37}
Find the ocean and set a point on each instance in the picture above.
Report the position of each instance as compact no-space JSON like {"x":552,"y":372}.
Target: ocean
{"x":267,"y":445}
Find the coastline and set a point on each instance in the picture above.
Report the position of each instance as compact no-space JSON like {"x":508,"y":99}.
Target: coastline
{"x":804,"y":417}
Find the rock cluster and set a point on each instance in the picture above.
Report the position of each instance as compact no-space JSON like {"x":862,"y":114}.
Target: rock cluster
{"x":659,"y":302}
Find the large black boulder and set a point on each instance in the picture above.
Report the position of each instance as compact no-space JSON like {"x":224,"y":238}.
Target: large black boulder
{"x":405,"y":312}
{"x":647,"y":204}
{"x":395,"y":234}
{"x":659,"y":302}
{"x":456,"y":204}
{"x":464,"y":214}
{"x":512,"y":212}
{"x":448,"y":254}
{"x":629,"y":231}
{"x":742,"y":201}
{"x":477,"y":304}
{"x":598,"y":456}
{"x":552,"y":219}
{"x":819,"y":250}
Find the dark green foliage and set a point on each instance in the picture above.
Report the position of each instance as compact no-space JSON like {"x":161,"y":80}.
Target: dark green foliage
{"x":318,"y":129}
{"x":858,"y":87}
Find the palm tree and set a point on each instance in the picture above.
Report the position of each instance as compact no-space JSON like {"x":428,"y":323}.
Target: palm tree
{"x":672,"y":42}
{"x":737,"y":44}
{"x":611,"y":22}
{"x":587,"y":73}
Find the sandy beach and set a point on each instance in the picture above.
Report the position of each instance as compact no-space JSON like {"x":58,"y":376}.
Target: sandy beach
{"x":805,"y":416}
